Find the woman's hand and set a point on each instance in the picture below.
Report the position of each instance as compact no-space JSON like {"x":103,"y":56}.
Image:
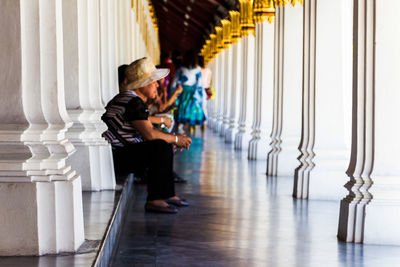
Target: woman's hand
{"x":167,"y":121}
{"x":178,"y":90}
{"x":183,"y":141}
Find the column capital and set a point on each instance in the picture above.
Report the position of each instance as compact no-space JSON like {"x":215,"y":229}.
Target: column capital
{"x":282,"y":2}
{"x":295,"y":2}
{"x":264,"y":9}
{"x":213,"y":38}
{"x":226,"y":33}
{"x":219,"y":39}
{"x":235,"y":23}
{"x":246,"y":18}
{"x":207,"y":52}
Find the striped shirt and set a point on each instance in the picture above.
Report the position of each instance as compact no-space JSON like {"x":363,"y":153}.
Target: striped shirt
{"x":120,"y":111}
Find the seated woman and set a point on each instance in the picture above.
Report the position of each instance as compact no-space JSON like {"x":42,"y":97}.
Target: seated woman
{"x":160,"y":102}
{"x":136,"y":143}
{"x":161,"y":106}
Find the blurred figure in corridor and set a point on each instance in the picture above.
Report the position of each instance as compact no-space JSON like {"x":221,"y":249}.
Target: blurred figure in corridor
{"x":206,"y":75}
{"x":190,"y":102}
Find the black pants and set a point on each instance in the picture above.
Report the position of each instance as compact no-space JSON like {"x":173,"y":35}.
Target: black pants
{"x":157,"y":156}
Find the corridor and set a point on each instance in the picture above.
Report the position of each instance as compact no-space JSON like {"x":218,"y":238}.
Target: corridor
{"x":239,"y":217}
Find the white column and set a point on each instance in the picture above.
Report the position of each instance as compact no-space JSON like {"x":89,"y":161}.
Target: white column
{"x":35,"y":182}
{"x":278,"y":92}
{"x":235,"y":92}
{"x":103,"y":149}
{"x":217,"y":100}
{"x":370,"y":212}
{"x":129,"y":29}
{"x":137,"y":37}
{"x":325,"y":143}
{"x":221,"y":92}
{"x":67,"y":194}
{"x":243,"y":135}
{"x":109,"y":84}
{"x":93,"y":159}
{"x":263,"y":91}
{"x":227,"y":90}
{"x":113,"y":48}
{"x":282,"y":158}
{"x":211,"y":102}
{"x":123,"y":57}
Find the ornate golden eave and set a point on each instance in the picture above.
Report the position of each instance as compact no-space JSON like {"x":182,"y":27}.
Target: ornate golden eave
{"x":242,"y":24}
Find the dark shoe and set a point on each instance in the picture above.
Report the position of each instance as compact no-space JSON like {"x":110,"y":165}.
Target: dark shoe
{"x":179,"y":203}
{"x":178,"y":179}
{"x":155,"y":208}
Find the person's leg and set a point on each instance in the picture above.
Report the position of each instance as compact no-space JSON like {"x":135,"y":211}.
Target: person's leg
{"x":157,"y":156}
{"x":160,"y":179}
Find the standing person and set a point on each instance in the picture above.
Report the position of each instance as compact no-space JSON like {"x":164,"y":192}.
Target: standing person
{"x":206,"y":75}
{"x":169,"y":64}
{"x":136,"y":143}
{"x":190,"y":101}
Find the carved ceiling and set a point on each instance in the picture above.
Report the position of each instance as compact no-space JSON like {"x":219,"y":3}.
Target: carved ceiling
{"x":186,"y":24}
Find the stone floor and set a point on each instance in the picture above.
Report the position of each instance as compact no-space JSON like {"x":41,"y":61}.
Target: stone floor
{"x":239,"y":217}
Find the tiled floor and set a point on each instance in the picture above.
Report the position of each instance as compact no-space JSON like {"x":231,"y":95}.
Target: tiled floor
{"x":239,"y":217}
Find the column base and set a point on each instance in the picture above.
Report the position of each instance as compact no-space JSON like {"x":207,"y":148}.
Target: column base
{"x":374,"y":220}
{"x":230,"y":134}
{"x":258,"y":148}
{"x":211,"y":123}
{"x":218,"y":126}
{"x":347,"y":221}
{"x":285,"y":162}
{"x":95,"y":165}
{"x":107,"y":168}
{"x":224,"y":128}
{"x":242,"y":139}
{"x":319,"y":183}
{"x":41,"y":217}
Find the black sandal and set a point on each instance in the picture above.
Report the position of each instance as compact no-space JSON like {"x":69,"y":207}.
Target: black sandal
{"x":178,"y":179}
{"x":159,"y":209}
{"x":179,"y":203}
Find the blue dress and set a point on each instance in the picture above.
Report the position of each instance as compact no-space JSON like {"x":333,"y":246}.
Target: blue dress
{"x":190,"y":101}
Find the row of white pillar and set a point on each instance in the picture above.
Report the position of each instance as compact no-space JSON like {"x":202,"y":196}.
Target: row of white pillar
{"x":314,"y":94}
{"x":58,"y":62}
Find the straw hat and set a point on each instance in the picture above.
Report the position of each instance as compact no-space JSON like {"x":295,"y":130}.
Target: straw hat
{"x":142,"y":72}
